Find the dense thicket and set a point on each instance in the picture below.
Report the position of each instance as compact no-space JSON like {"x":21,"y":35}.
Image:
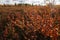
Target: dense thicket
{"x":29,"y":23}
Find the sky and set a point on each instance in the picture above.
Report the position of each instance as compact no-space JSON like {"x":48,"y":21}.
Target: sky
{"x":35,"y":2}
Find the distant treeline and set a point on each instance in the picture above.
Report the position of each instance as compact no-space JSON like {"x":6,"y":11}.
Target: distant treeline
{"x":17,"y":5}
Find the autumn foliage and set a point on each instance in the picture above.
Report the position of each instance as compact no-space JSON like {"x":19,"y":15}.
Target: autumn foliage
{"x":28,"y":22}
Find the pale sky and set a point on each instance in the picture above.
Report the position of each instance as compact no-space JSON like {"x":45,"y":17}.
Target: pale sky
{"x":35,"y":2}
